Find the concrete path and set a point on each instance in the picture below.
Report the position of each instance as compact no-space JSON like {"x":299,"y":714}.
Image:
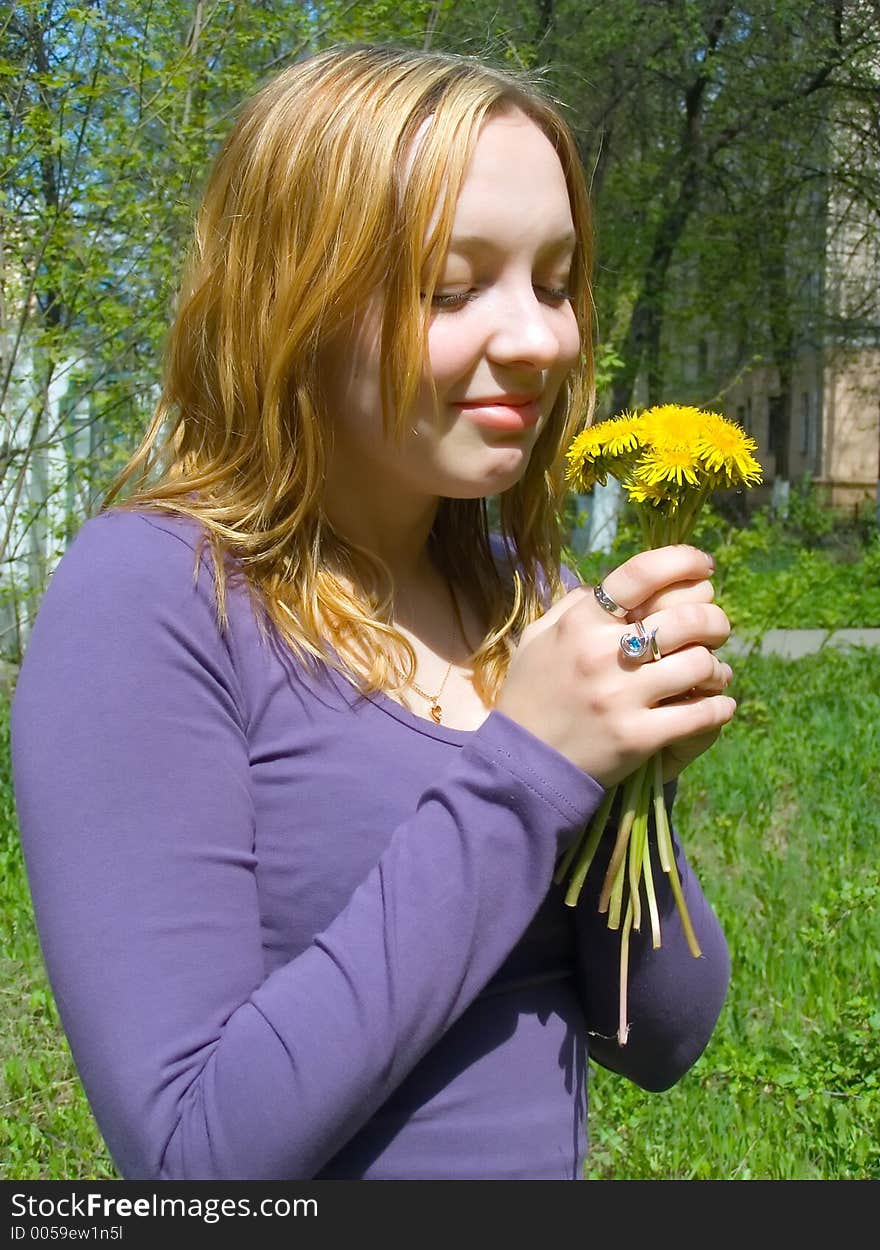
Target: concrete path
{"x":793,"y":643}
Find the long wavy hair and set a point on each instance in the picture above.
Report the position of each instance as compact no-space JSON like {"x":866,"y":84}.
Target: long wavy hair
{"x":318,"y":199}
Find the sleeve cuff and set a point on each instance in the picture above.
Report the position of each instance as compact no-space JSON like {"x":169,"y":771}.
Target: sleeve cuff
{"x":573,"y":793}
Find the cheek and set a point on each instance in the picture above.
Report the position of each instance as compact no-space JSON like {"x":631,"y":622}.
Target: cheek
{"x":569,"y":341}
{"x":452,"y":348}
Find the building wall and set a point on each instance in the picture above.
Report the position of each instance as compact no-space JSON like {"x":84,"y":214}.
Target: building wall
{"x":755,"y":400}
{"x":851,"y":427}
{"x":834,"y":431}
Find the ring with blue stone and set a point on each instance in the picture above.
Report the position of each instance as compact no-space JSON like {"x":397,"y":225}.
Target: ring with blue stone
{"x":635,"y":645}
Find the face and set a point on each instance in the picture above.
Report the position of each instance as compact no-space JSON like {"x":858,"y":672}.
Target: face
{"x":502,"y":338}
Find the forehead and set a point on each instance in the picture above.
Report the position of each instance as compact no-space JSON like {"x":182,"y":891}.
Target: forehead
{"x":514,"y":187}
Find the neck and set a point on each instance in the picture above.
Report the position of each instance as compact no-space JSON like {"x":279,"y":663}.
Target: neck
{"x":397,"y":534}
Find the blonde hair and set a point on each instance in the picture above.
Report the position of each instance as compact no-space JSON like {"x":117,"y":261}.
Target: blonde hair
{"x":316,"y":200}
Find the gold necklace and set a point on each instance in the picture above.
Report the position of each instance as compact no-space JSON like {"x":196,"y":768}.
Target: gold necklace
{"x":434,"y":699}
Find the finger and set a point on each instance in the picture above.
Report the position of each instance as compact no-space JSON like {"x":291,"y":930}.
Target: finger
{"x":688,"y":624}
{"x":684,"y":592}
{"x":716,"y":684}
{"x":678,"y":676}
{"x":679,"y":754}
{"x":692,"y":718}
{"x":649,"y":572}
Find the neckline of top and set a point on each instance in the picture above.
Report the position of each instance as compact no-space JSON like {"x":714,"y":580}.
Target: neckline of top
{"x":384,"y":702}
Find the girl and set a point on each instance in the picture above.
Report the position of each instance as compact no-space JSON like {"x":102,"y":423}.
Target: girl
{"x":297,"y":741}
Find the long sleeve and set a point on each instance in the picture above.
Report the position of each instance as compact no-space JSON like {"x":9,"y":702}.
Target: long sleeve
{"x":131,"y":760}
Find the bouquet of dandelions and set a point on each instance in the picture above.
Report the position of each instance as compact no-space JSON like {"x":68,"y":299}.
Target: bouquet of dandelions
{"x":669,"y":460}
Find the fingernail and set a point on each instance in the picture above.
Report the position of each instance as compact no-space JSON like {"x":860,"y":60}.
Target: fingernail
{"x":711,"y":560}
{"x":728,"y":674}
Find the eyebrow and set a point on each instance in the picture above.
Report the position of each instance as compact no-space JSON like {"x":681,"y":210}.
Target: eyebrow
{"x":465,"y":243}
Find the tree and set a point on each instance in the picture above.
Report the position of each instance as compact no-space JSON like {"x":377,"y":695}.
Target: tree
{"x":728,"y":146}
{"x":110,"y":114}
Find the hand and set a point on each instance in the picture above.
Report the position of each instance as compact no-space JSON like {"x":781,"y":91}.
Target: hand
{"x":678,"y":755}
{"x":570,"y":685}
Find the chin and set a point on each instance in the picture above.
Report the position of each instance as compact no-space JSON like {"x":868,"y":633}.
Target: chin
{"x":489,"y":474}
{"x":482,"y":489}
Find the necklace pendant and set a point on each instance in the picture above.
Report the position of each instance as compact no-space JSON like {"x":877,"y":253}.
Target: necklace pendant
{"x":436,"y":712}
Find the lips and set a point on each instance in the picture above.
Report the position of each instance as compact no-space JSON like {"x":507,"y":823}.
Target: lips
{"x":503,"y":401}
{"x":509,"y":413}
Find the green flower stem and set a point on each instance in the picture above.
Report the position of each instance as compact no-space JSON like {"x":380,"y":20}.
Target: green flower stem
{"x":660,"y":818}
{"x":622,"y":1022}
{"x":615,"y":901}
{"x":648,"y":874}
{"x":637,"y":849}
{"x":631,"y":790}
{"x":584,"y":848}
{"x":664,"y":844}
{"x":689,"y":511}
{"x":641,"y":868}
{"x":647,"y":524}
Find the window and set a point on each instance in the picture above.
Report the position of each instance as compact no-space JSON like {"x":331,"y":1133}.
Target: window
{"x":806,"y":423}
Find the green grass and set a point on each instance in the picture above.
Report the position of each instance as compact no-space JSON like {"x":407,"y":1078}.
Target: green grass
{"x":781,"y":821}
{"x":775,"y":574}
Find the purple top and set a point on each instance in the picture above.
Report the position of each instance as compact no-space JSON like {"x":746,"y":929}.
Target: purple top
{"x":295,"y":933}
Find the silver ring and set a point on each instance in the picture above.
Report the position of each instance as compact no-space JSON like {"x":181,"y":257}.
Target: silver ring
{"x":656,"y":653}
{"x":635,"y":645}
{"x":608,"y":603}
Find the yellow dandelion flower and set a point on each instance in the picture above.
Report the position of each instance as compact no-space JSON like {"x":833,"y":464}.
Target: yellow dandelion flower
{"x":607,"y":447}
{"x":583,"y":477}
{"x":587,"y":462}
{"x":675,"y":424}
{"x":643,"y":492}
{"x":589,"y":443}
{"x":585,"y":447}
{"x":726,"y":449}
{"x":670,"y":462}
{"x":622,"y":434}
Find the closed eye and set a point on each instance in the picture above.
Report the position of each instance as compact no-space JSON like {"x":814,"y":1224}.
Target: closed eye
{"x":555,"y":293}
{"x":453,"y":300}
{"x":457,"y":299}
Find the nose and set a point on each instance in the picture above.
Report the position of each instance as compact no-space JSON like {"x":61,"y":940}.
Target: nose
{"x":524,"y":328}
